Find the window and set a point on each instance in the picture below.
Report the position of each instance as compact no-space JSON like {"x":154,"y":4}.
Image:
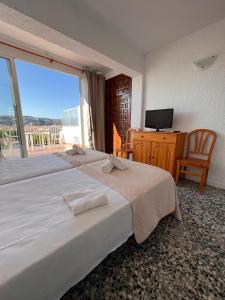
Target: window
{"x":49,"y":102}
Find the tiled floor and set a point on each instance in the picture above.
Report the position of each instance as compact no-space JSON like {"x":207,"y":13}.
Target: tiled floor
{"x":38,"y":150}
{"x":180,"y":260}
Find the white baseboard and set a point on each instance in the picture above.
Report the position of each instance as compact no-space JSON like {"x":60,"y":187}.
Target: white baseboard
{"x":216,"y":183}
{"x":212,"y":182}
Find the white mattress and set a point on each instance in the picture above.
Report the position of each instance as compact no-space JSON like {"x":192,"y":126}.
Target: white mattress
{"x":18,"y":169}
{"x":44,"y":249}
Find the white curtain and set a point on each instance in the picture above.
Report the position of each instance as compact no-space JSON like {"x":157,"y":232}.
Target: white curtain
{"x":93,"y":109}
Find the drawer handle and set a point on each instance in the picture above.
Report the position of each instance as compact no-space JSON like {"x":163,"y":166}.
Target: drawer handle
{"x":142,"y":136}
{"x":164,"y":138}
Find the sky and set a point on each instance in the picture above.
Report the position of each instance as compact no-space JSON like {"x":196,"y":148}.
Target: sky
{"x":45,"y":92}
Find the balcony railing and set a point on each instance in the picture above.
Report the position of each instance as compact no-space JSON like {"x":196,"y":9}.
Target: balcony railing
{"x":39,"y":139}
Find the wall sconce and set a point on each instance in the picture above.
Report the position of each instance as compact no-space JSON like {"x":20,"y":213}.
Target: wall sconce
{"x":204,"y":63}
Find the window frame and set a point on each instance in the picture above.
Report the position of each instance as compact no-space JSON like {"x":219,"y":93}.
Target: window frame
{"x":12,"y":54}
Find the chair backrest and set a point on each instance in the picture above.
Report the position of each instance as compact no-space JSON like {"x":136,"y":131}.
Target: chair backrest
{"x":129,"y":137}
{"x":201,"y":143}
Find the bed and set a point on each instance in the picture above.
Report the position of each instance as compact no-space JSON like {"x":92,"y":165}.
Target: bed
{"x":19,"y":169}
{"x":44,"y":249}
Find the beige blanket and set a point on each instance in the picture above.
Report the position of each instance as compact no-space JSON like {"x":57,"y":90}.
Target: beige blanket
{"x":151,"y":190}
{"x":80,"y":159}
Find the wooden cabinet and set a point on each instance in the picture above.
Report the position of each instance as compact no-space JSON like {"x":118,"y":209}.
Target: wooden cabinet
{"x":159,"y":149}
{"x":162,"y":154}
{"x":140,"y":151}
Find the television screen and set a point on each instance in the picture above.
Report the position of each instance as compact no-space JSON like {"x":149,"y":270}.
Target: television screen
{"x":159,"y":118}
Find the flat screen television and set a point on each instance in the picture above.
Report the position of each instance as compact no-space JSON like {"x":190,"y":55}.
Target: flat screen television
{"x":159,"y":118}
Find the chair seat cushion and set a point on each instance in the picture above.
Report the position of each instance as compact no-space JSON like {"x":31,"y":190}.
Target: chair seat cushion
{"x":194,"y":162}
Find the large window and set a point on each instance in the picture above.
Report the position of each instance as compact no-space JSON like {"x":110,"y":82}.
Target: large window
{"x":49,"y":103}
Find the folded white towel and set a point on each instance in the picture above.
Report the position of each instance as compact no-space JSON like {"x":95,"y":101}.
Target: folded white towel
{"x":77,"y":194}
{"x":117,"y":163}
{"x":75,"y":150}
{"x":82,"y":201}
{"x":107,"y":167}
{"x":78,"y":149}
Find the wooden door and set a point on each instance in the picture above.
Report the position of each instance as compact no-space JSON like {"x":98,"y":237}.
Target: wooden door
{"x":117,"y":111}
{"x":162,"y":155}
{"x":141,"y":151}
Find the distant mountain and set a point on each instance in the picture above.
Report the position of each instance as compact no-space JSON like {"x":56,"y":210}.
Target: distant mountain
{"x":30,"y":121}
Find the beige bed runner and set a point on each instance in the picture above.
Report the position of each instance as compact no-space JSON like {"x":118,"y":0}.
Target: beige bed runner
{"x":80,"y":159}
{"x":151,"y":190}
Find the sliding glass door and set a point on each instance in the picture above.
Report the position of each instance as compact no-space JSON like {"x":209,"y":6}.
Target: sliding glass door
{"x":50,"y":102}
{"x":39,"y":109}
{"x":11,"y":144}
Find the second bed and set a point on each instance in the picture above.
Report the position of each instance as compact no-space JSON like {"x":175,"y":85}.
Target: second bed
{"x":18,"y":169}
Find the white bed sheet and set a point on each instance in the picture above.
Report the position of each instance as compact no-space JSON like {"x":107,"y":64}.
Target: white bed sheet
{"x":45,"y":249}
{"x":18,"y":169}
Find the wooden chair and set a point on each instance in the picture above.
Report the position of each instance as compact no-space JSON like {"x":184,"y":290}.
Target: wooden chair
{"x":127,"y":148}
{"x":200,"y":145}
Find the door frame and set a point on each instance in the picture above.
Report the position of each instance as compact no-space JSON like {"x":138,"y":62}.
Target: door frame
{"x":18,"y":109}
{"x":16,"y":104}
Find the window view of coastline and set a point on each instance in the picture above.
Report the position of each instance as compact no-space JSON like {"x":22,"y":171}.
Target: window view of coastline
{"x":50,"y":103}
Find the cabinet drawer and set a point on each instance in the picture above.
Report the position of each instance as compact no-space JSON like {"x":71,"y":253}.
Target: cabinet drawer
{"x":155,"y":137}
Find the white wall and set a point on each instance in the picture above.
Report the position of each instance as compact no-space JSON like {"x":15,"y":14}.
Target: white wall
{"x":73,"y":134}
{"x":136,"y":102}
{"x":198,"y":97}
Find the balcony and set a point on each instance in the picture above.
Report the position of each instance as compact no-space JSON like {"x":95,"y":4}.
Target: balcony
{"x":40,"y":140}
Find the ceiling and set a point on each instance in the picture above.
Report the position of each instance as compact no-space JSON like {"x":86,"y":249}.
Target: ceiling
{"x":150,"y":24}
{"x":15,"y":36}
{"x":105,"y":34}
